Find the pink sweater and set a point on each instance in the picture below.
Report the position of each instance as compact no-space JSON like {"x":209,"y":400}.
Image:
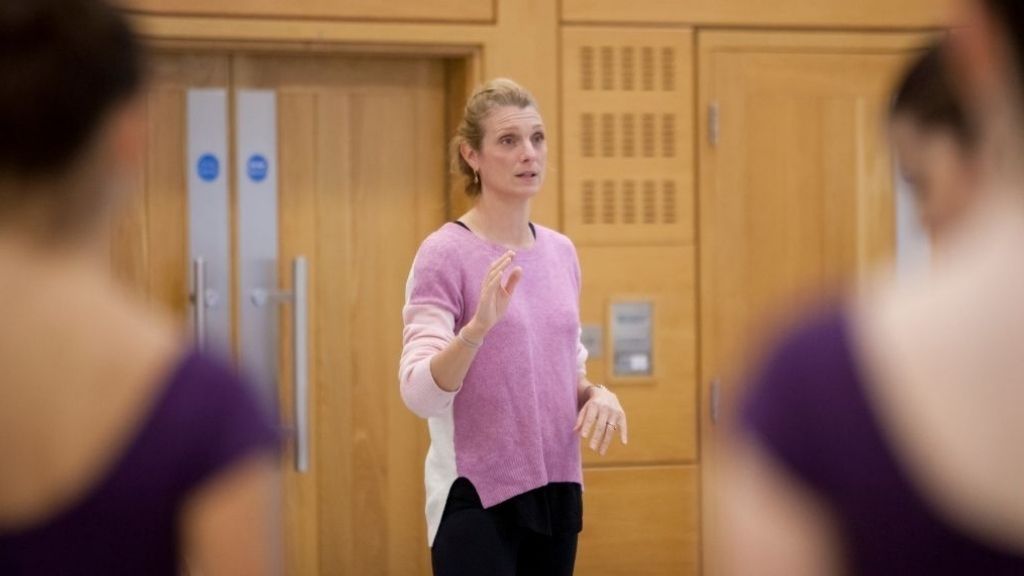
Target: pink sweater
{"x":509,"y":427}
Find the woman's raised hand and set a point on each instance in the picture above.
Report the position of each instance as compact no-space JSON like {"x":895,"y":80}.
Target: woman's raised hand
{"x":495,"y":294}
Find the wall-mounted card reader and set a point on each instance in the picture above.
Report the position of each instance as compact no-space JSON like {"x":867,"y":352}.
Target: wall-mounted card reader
{"x":632,"y":335}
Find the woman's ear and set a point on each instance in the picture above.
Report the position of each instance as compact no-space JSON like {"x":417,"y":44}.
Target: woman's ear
{"x":470,"y":156}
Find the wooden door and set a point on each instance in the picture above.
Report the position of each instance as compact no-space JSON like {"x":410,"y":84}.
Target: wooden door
{"x":796,"y":187}
{"x":149,"y":234}
{"x":362,"y":181}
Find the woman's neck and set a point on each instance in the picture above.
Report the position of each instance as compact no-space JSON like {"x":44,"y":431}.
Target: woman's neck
{"x":502,"y":221}
{"x":27,"y":261}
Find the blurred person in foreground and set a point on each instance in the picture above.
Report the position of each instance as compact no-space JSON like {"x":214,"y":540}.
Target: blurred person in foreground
{"x":935,"y":145}
{"x":885,"y":436}
{"x":123,"y":451}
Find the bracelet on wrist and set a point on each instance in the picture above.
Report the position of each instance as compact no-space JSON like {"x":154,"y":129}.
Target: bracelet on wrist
{"x":468,"y":342}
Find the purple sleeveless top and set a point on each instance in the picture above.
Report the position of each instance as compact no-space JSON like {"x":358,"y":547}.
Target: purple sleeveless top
{"x":809,"y":409}
{"x":203,"y":420}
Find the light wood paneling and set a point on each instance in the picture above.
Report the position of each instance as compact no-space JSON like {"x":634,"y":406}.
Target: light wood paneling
{"x":628,"y":117}
{"x":821,"y":13}
{"x":640,"y":522}
{"x":521,"y":43}
{"x":379,"y":10}
{"x":297,"y":202}
{"x":796,"y":197}
{"x":128,"y":237}
{"x":149,"y":246}
{"x":363,"y":181}
{"x":460,"y":80}
{"x":661,"y":409}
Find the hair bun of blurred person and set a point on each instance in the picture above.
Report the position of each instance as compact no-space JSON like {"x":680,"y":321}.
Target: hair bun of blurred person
{"x":64,"y":65}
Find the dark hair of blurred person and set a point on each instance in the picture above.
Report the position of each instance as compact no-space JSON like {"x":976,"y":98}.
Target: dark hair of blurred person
{"x":123,"y":451}
{"x":935,"y":144}
{"x":884,"y":436}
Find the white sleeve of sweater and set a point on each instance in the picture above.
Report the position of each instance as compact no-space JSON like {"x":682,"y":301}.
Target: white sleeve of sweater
{"x":581,"y":356}
{"x":428,"y":331}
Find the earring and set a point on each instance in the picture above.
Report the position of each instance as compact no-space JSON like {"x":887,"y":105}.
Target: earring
{"x":476,"y":177}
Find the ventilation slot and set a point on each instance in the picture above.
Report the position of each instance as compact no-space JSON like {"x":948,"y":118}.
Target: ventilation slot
{"x":587,"y":135}
{"x":628,"y":68}
{"x":668,"y":202}
{"x":668,"y":135}
{"x":629,"y":202}
{"x":607,"y":68}
{"x":587,"y":68}
{"x":628,"y":136}
{"x":648,"y":135}
{"x":647,"y":68}
{"x":589,"y":202}
{"x":608,"y":135}
{"x":608,"y":202}
{"x":668,"y":69}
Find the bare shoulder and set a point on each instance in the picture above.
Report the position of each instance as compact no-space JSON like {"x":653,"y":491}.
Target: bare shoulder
{"x":84,"y":374}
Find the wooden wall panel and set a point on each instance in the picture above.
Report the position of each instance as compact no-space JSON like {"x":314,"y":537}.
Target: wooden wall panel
{"x":378,"y":10}
{"x":129,"y":237}
{"x":661,"y":409}
{"x":640,"y":522}
{"x":151,"y":242}
{"x":628,"y":117}
{"x":803,"y":13}
{"x":297,"y":160}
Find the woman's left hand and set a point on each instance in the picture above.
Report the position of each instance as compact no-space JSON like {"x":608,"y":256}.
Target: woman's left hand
{"x":600,"y":418}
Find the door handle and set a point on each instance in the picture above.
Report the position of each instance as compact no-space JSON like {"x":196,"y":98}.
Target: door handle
{"x":199,"y":301}
{"x":300,"y":360}
{"x":715,"y":400}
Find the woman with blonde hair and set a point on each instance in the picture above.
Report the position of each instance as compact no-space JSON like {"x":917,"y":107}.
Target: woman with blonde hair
{"x":493,"y":360}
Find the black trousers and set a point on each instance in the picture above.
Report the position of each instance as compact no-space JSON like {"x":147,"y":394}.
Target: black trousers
{"x":472,"y":541}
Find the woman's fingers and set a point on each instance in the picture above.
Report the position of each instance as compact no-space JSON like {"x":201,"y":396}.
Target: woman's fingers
{"x":600,"y":429}
{"x":500,"y":263}
{"x":589,"y":418}
{"x":501,"y":259}
{"x":623,"y":430}
{"x":513,"y":280}
{"x":609,"y":435}
{"x":579,"y":419}
{"x":499,"y":269}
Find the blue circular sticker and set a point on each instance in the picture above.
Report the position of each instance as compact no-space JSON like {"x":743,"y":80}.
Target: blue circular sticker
{"x":208,"y":167}
{"x":257,"y":168}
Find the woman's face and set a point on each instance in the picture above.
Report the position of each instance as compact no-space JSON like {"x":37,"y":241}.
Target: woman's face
{"x":939,"y":170}
{"x":513,"y":153}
